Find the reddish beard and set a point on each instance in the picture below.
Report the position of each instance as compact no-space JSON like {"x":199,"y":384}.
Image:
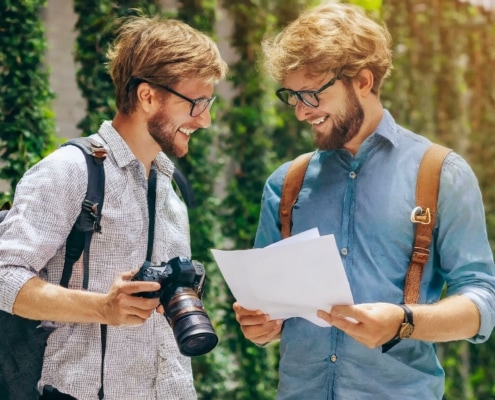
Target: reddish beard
{"x":161,"y":129}
{"x":346,"y":124}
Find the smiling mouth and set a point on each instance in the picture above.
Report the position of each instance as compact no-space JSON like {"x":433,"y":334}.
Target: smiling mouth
{"x":318,"y":121}
{"x":187,"y":132}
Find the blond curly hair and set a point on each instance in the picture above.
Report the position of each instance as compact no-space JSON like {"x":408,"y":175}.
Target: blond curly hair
{"x":332,"y":37}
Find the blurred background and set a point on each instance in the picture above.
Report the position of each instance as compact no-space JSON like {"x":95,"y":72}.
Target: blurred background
{"x":53,"y":86}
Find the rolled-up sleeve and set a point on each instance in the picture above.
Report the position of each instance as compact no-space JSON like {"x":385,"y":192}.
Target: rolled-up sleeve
{"x":465,"y":254}
{"x":47,"y":202}
{"x":12,"y":279}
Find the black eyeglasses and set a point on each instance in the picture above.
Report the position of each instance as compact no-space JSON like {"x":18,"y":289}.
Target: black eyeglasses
{"x":198,"y":106}
{"x":308,"y":97}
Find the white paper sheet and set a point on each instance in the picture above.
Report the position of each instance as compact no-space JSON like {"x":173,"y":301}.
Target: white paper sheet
{"x":291,"y":278}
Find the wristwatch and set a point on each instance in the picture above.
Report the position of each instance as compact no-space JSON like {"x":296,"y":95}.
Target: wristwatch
{"x":405,"y":330}
{"x":407,"y":327}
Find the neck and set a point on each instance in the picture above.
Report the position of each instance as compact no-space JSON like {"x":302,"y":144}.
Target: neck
{"x":373,"y":114}
{"x":135,"y":133}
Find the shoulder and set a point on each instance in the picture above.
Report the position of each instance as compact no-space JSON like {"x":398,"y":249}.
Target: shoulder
{"x":65,"y":170}
{"x":457,"y":172}
{"x":300,"y":163}
{"x":62,"y":161}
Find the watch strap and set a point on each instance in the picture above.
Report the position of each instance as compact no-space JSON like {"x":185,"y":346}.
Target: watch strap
{"x":408,"y":314}
{"x":391,"y":343}
{"x":408,"y":318}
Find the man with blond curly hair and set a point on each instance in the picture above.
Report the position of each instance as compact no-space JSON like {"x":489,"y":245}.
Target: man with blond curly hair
{"x":360,"y":186}
{"x":164,"y":74}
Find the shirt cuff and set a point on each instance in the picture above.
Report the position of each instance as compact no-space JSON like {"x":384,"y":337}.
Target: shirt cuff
{"x":484,"y":300}
{"x":12,"y":279}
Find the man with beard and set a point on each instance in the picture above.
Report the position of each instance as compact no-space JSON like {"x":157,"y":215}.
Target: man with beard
{"x":360,"y":186}
{"x":164,"y":74}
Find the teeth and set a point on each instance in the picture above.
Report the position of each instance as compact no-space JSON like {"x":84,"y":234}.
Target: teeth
{"x":317,"y":121}
{"x":187,"y":132}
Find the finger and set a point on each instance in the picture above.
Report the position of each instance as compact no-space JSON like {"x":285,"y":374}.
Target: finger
{"x":127,"y":317}
{"x":143,"y":303}
{"x":250,"y":320}
{"x":125,"y":304}
{"x":347,"y":324}
{"x":262,"y":333}
{"x":269,"y":336}
{"x":358,"y":313}
{"x":160,"y":309}
{"x":133,"y":320}
{"x":143,"y":314}
{"x":244,"y":311}
{"x":324,"y":316}
{"x":127,"y":276}
{"x":132,"y":287}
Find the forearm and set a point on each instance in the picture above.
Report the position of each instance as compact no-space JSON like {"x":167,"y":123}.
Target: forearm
{"x":453,"y":318}
{"x":40,"y":300}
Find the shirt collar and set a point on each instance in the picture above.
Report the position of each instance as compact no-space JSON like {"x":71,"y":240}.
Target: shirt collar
{"x":123,"y":154}
{"x":387,"y":128}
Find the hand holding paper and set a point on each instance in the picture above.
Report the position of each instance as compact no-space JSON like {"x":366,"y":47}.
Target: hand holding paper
{"x":291,"y":278}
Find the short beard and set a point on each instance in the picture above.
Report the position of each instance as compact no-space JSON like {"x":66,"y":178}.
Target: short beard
{"x":159,"y":127}
{"x":346,"y":125}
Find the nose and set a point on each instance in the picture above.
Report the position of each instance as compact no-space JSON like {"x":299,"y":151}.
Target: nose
{"x":204,"y":119}
{"x":301,"y":110}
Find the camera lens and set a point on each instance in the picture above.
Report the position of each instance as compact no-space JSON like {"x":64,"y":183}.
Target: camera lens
{"x":195,"y":335}
{"x":192,"y":328}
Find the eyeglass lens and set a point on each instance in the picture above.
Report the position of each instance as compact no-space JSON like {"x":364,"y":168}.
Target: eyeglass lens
{"x":291,"y":98}
{"x":200,"y":105}
{"x":308,"y":97}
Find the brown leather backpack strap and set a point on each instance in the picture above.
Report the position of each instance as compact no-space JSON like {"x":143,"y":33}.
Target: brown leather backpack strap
{"x":424,"y":216}
{"x":290,"y":191}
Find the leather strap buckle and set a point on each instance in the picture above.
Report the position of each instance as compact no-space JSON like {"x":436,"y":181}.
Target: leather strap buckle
{"x":420,"y":215}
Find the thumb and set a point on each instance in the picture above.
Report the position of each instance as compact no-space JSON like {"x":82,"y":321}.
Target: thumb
{"x":127,"y":276}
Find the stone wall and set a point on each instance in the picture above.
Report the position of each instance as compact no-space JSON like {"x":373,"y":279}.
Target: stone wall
{"x":68,"y":105}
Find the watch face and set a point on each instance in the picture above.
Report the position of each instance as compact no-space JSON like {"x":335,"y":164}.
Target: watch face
{"x":406,"y":330}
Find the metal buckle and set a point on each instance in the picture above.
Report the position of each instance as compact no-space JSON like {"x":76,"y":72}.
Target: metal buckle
{"x":420,"y":216}
{"x":98,"y":151}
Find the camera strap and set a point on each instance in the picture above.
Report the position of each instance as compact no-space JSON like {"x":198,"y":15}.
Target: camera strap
{"x":151,"y":230}
{"x":151,"y":211}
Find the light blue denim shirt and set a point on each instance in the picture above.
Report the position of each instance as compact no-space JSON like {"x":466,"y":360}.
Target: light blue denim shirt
{"x":366,"y":202}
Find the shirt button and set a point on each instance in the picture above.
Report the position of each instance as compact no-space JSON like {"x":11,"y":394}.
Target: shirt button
{"x":333,"y":358}
{"x":343,"y":251}
{"x":352,"y":175}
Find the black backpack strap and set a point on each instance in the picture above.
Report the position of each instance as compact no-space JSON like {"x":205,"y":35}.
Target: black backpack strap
{"x":185,"y":188}
{"x":151,"y":211}
{"x":87,"y":223}
{"x":89,"y":219}
{"x":103,"y":339}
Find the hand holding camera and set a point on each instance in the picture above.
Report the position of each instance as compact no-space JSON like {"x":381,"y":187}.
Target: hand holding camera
{"x":181,"y":287}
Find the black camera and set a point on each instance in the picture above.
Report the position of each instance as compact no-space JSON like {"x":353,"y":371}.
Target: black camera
{"x":180,"y":294}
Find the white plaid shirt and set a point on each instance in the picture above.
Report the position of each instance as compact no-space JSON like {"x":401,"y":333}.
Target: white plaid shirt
{"x":141,"y":362}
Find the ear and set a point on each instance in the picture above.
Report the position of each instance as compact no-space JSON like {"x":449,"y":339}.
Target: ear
{"x":145,"y":94}
{"x":364,"y":82}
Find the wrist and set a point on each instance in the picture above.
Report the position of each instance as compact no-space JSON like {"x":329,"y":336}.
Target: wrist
{"x":407,"y":327}
{"x":405,"y":330}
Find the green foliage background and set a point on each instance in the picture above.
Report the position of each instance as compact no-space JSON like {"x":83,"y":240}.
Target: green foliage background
{"x":441,"y":87}
{"x":27,"y":122}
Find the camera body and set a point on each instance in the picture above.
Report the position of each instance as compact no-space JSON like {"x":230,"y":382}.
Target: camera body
{"x":182,"y":282}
